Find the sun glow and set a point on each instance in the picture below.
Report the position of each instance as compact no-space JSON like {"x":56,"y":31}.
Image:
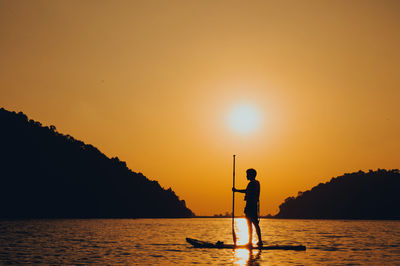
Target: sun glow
{"x":244,"y":119}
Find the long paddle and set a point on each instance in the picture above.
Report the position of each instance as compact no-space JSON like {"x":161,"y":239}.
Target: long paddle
{"x":233,"y":205}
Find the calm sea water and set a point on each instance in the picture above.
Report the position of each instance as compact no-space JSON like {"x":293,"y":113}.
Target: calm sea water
{"x":162,"y":241}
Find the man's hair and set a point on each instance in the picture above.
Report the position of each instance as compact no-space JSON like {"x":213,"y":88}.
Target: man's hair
{"x":251,"y":172}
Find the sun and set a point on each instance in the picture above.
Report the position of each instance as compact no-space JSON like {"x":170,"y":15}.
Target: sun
{"x":244,"y":119}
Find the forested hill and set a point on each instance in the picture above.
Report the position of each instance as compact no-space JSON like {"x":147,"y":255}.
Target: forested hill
{"x":360,"y":195}
{"x":45,"y":174}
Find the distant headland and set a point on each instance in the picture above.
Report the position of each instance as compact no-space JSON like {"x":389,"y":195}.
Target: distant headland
{"x":45,"y":174}
{"x":359,"y":195}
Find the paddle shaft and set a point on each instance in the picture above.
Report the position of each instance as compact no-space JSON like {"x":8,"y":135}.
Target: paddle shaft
{"x":233,"y":204}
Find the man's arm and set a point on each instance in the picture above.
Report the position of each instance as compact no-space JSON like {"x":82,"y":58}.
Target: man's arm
{"x":238,"y":190}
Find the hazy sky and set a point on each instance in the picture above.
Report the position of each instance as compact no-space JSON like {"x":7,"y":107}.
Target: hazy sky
{"x":155,"y":82}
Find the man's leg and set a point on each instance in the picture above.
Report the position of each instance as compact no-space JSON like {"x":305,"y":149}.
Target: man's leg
{"x":255,"y":221}
{"x":258,"y":233}
{"x":250,"y":226}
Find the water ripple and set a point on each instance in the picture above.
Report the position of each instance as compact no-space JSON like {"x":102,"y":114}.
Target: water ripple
{"x":162,"y":241}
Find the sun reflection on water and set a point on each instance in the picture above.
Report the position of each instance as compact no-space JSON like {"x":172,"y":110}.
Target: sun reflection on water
{"x":241,"y":256}
{"x":244,"y":256}
{"x":242,"y":232}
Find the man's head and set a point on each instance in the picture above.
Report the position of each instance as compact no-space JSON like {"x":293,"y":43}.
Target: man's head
{"x":251,"y":174}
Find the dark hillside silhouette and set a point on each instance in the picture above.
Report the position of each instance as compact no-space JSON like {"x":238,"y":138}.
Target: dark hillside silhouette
{"x":360,"y":195}
{"x":45,"y":174}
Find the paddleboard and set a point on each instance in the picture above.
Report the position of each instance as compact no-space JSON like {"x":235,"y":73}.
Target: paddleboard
{"x":204,"y":244}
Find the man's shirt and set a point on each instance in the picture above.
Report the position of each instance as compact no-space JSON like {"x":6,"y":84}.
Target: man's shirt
{"x":252,"y":192}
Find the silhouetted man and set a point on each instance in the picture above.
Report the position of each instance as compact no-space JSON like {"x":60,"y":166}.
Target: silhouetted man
{"x":251,"y":210}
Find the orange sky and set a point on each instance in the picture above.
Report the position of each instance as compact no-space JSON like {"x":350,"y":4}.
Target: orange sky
{"x":152,"y":82}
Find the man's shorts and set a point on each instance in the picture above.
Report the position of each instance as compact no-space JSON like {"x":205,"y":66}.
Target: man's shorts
{"x":251,"y":213}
